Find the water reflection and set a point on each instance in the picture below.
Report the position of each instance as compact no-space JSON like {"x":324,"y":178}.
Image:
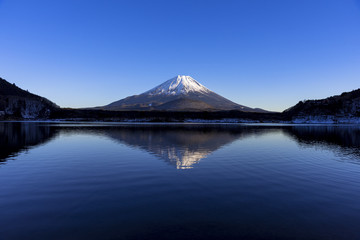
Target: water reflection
{"x":16,"y":137}
{"x":344,"y":136}
{"x":343,"y":140}
{"x":180,"y":145}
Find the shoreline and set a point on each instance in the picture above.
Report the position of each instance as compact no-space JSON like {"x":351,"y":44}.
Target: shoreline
{"x":187,"y":121}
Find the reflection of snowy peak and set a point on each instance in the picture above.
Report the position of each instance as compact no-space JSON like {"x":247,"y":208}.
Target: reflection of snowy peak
{"x":181,"y":146}
{"x":181,"y":93}
{"x":182,"y":158}
{"x":178,"y":85}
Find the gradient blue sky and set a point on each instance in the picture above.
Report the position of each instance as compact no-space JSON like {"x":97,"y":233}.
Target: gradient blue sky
{"x":259,"y":53}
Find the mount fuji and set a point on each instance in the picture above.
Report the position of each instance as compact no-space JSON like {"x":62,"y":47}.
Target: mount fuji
{"x":181,"y":93}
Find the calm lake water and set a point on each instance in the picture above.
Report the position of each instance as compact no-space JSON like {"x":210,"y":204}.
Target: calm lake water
{"x":179,"y":181}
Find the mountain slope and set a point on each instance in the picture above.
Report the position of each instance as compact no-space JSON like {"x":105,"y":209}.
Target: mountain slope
{"x":185,"y":104}
{"x":346,"y":105}
{"x":16,"y":102}
{"x":176,"y":94}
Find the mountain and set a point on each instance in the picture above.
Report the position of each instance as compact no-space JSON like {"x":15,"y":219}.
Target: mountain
{"x":181,"y":93}
{"x":18,"y":103}
{"x":342,"y":108}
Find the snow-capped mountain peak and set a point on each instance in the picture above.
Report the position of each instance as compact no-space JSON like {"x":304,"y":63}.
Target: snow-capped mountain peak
{"x":178,"y":85}
{"x":181,"y":93}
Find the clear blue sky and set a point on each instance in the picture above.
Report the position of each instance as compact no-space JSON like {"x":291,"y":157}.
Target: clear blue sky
{"x":259,"y":53}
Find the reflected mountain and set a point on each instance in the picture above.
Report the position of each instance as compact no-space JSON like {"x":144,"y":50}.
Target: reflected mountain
{"x":345,"y":136}
{"x":16,"y":137}
{"x":181,"y":145}
{"x":340,"y":139}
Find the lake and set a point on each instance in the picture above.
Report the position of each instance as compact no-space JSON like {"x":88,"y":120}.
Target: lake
{"x":179,"y":181}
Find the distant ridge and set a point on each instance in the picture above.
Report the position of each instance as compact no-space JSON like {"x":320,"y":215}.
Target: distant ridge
{"x":339,"y":108}
{"x":16,"y":102}
{"x":181,"y":93}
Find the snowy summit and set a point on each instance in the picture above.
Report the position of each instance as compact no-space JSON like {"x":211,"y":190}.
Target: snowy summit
{"x":178,"y":85}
